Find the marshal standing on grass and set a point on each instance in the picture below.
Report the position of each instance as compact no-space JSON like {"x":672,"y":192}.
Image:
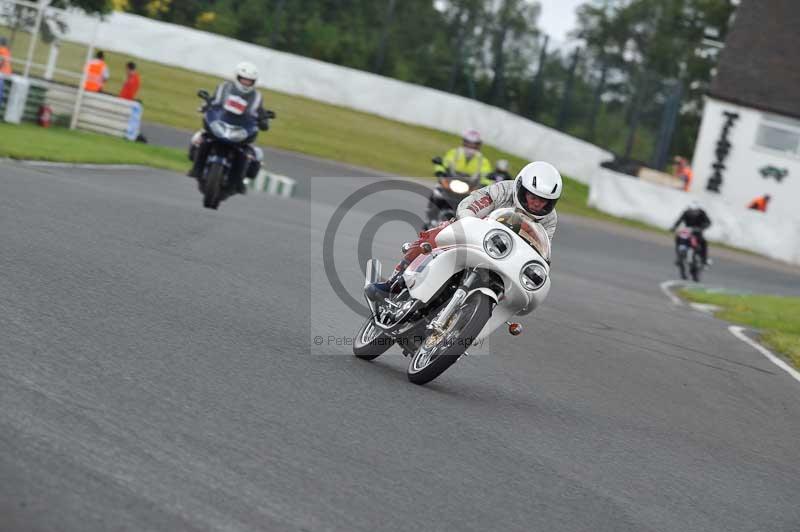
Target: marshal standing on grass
{"x":96,"y":72}
{"x":5,"y":59}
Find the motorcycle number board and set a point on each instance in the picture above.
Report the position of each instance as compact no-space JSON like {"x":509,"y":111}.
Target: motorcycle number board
{"x":234,"y":104}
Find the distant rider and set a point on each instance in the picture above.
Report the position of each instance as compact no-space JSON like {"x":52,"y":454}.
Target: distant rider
{"x":466,"y":161}
{"x":696,"y":219}
{"x":500,"y":172}
{"x":535,"y":192}
{"x":242,"y":86}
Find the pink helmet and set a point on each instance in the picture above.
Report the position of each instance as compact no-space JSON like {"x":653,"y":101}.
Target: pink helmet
{"x":472,"y":139}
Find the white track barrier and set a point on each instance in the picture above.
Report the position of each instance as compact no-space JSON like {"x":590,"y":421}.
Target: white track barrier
{"x":763,"y":233}
{"x":273,"y":184}
{"x":212,"y":54}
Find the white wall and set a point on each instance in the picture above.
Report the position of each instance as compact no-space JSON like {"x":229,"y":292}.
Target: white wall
{"x":775,"y":236}
{"x":405,"y":102}
{"x":742,"y":181}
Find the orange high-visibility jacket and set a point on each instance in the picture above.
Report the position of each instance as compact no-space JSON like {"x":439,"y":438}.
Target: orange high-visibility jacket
{"x":688,"y":175}
{"x":759,"y":204}
{"x":5,"y":58}
{"x":95,"y":70}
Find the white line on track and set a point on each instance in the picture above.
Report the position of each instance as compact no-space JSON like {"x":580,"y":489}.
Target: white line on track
{"x":665,"y":287}
{"x":738,"y":332}
{"x":735,"y":330}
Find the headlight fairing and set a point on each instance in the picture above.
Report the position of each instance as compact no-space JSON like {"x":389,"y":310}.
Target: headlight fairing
{"x":498,"y":244}
{"x":225,"y":131}
{"x":533,"y":276}
{"x":218,"y":128}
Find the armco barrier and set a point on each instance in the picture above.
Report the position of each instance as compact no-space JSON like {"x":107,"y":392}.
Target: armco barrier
{"x":763,"y":233}
{"x":212,"y":54}
{"x":99,"y":113}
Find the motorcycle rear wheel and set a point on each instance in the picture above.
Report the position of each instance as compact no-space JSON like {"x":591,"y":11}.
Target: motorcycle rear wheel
{"x":212,"y":189}
{"x":436,"y":354}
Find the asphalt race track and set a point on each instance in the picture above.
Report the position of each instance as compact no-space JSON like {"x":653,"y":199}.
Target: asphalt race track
{"x":159,"y":371}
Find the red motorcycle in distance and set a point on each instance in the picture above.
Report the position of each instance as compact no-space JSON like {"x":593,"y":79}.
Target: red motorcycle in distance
{"x":689,"y":257}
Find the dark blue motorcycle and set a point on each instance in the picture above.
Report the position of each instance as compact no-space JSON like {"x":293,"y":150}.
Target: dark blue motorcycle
{"x":228,"y":132}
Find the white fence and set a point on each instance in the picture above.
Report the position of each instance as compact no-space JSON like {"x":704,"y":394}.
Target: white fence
{"x":763,"y":233}
{"x":213,"y":54}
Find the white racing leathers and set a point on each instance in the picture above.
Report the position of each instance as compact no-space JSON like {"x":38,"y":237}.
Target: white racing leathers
{"x":500,"y":195}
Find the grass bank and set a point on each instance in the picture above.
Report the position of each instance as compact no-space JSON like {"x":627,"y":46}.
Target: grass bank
{"x":62,"y":145}
{"x":778,"y":318}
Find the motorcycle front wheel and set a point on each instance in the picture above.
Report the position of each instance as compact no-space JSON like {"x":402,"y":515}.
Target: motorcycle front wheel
{"x":439,"y":351}
{"x":212,"y":189}
{"x":370,"y":341}
{"x":682,"y":265}
{"x":695,"y":268}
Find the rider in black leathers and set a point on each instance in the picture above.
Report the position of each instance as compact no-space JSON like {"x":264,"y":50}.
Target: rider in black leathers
{"x":696,"y":219}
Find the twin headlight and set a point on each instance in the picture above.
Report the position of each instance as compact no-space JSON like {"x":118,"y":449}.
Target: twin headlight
{"x":533,"y":276}
{"x":225,"y":131}
{"x":498,"y":244}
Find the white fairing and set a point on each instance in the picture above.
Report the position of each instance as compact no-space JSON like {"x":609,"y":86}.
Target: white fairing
{"x":460,"y":247}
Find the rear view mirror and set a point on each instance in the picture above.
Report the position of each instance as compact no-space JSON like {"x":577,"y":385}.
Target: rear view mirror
{"x":202,"y":93}
{"x":436,"y":160}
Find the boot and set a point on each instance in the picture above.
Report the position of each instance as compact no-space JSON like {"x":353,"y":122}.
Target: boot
{"x":378,"y":292}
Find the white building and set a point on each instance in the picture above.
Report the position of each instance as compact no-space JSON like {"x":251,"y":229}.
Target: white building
{"x":749,"y":139}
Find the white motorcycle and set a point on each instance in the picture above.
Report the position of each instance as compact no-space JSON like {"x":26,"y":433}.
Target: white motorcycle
{"x":482,"y":273}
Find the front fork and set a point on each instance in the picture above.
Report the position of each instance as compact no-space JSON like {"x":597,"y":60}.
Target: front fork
{"x":441,"y":320}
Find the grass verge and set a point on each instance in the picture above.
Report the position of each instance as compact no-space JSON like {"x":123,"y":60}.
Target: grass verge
{"x":62,"y":145}
{"x":778,"y":318}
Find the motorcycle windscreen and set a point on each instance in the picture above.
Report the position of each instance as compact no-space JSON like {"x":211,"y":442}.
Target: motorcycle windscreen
{"x":527,"y":228}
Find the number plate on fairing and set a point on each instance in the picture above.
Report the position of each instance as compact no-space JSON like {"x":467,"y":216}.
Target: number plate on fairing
{"x":234,"y":104}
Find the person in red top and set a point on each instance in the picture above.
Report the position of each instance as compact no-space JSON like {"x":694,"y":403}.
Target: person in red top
{"x":5,"y":57}
{"x":132,"y":82}
{"x":760,"y":203}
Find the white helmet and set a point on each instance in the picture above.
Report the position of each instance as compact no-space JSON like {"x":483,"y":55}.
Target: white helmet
{"x":538,"y":183}
{"x":245,"y":76}
{"x":472,"y":139}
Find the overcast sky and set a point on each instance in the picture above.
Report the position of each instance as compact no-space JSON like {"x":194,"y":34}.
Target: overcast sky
{"x":557,"y":18}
